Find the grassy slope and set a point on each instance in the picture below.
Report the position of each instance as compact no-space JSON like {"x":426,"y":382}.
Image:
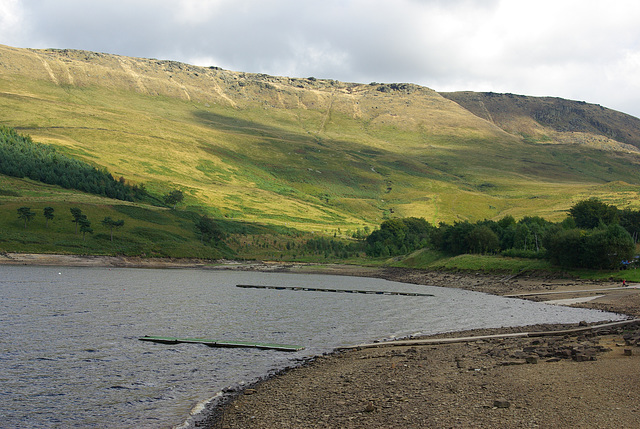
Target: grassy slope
{"x":150,"y":231}
{"x":313,"y":155}
{"x":426,"y":259}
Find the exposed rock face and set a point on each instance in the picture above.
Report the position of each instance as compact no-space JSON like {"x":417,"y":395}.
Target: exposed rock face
{"x":540,"y":116}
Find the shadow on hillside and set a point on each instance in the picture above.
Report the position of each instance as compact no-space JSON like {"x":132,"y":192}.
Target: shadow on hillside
{"x":244,"y":126}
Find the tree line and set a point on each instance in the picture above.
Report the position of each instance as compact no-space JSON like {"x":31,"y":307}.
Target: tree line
{"x":594,"y":235}
{"x":21,"y":157}
{"x":81,"y":221}
{"x":331,"y":247}
{"x":207,"y":229}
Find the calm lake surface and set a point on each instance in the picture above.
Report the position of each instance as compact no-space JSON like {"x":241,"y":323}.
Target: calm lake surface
{"x":70,"y":354}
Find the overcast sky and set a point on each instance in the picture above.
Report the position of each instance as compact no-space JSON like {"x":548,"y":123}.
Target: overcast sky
{"x":586,"y":50}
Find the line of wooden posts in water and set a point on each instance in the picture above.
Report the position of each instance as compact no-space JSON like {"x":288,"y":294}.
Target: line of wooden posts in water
{"x":270,"y":346}
{"x":218,"y":343}
{"x":317,"y":289}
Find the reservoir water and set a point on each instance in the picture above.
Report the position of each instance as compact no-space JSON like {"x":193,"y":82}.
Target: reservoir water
{"x":70,"y":354}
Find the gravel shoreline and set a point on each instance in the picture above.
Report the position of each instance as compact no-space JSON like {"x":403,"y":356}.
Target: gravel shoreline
{"x":568,"y":380}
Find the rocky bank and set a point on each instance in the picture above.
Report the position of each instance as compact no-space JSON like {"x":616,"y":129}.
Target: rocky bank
{"x":588,"y":378}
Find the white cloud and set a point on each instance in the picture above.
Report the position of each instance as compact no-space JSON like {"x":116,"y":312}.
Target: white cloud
{"x":197,"y":12}
{"x":579,"y":49}
{"x":11,"y":19}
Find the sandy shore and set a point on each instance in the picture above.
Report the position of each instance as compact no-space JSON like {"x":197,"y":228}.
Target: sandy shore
{"x":584,"y":379}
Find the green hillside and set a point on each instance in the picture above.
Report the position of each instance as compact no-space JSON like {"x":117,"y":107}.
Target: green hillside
{"x":154,"y":232}
{"x":310,"y":154}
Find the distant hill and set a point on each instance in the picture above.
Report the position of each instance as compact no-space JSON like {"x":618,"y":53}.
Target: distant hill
{"x":545,"y":116}
{"x":319,"y":154}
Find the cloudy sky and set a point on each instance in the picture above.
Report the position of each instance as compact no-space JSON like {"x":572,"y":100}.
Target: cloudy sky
{"x":585,"y":50}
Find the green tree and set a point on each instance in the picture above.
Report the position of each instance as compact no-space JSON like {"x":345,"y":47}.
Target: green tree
{"x":483,"y":240}
{"x":588,"y":214}
{"x":384,"y":252}
{"x":399,"y":236}
{"x":506,"y":230}
{"x":565,"y":247}
{"x":21,"y":157}
{"x":208,"y":229}
{"x":630,"y":220}
{"x":26,"y":214}
{"x":522,"y":236}
{"x":601,"y":248}
{"x":607,"y":247}
{"x":77,"y":215}
{"x":455,"y":238}
{"x":173,"y":198}
{"x":507,"y":222}
{"x":111,"y":224}
{"x":48,"y":215}
{"x":85,"y":226}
